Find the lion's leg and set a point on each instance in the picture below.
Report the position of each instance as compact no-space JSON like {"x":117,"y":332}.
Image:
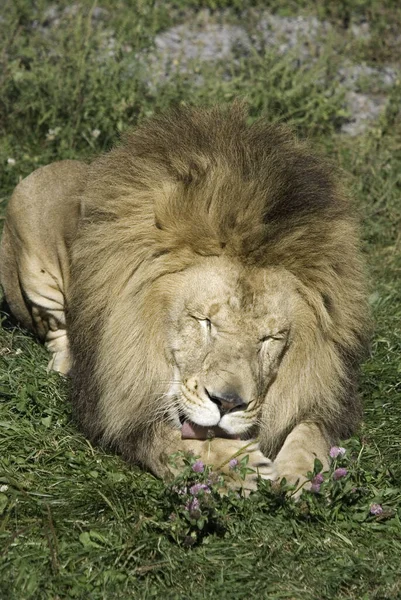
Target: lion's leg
{"x":36,"y":299}
{"x":42,"y":220}
{"x":43,"y":288}
{"x":58,"y":345}
{"x":48,"y":316}
{"x":306,"y":442}
{"x":216,"y":453}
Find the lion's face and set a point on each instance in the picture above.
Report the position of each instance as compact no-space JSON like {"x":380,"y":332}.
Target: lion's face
{"x":229,"y":330}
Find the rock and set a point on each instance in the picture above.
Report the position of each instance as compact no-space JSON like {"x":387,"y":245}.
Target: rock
{"x":364,"y":109}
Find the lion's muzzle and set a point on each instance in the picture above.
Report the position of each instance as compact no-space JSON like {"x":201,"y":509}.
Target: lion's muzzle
{"x":212,"y":411}
{"x":226,"y":400}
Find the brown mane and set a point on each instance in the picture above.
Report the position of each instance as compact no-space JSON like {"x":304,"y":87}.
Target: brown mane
{"x":198,"y":183}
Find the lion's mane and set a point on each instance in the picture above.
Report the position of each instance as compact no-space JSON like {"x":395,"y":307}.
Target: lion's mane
{"x":197,"y":183}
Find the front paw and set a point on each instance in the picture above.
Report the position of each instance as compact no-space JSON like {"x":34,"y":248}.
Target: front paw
{"x":239,"y":476}
{"x":295,"y":480}
{"x":295,"y":473}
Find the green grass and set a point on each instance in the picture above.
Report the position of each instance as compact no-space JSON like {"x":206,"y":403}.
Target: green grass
{"x":76,"y":522}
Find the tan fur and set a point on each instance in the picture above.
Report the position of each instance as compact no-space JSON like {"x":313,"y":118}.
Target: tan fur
{"x":42,"y":218}
{"x":215,"y":262}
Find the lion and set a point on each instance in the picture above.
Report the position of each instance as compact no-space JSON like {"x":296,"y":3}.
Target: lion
{"x":203,"y":285}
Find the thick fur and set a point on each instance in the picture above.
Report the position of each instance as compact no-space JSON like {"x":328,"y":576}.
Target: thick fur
{"x":196,"y":206}
{"x":179,"y":190}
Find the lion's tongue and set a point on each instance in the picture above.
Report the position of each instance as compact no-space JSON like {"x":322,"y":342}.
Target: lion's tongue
{"x":199,"y":432}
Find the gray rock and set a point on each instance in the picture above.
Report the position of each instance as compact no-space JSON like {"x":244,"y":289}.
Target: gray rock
{"x":179,"y":47}
{"x":364,"y":109}
{"x":184,"y":48}
{"x":53,"y":16}
{"x":360,"y":30}
{"x":351,"y":75}
{"x":286,"y":33}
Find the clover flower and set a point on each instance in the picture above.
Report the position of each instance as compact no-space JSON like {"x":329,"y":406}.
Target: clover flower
{"x":336,"y":451}
{"x":233,"y":463}
{"x":339,"y":473}
{"x":318,"y":478}
{"x":199,"y":487}
{"x":376,"y":509}
{"x":198,"y":467}
{"x":316,"y":482}
{"x":193,"y":507}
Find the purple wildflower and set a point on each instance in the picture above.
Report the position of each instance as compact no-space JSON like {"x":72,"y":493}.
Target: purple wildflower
{"x":198,"y":467}
{"x":193,"y":507}
{"x":193,"y":504}
{"x":318,"y":478}
{"x":316,"y":482}
{"x":199,"y":487}
{"x":339,"y":473}
{"x":336,"y":451}
{"x":376,"y":509}
{"x":233,"y":463}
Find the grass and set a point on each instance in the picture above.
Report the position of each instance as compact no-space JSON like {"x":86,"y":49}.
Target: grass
{"x":76,"y":522}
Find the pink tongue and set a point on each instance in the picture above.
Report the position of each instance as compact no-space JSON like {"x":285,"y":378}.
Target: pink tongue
{"x":199,"y":432}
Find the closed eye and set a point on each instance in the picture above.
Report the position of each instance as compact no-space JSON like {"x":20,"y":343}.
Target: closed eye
{"x":279,"y":336}
{"x":204,"y":322}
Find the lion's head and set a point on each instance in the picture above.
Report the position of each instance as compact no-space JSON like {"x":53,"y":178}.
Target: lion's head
{"x":227,"y":331}
{"x":216,"y":279}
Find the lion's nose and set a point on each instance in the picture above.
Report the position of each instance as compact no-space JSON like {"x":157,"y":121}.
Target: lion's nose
{"x":227,"y":401}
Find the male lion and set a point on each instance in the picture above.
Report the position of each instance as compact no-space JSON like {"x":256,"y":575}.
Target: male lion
{"x":208,"y":277}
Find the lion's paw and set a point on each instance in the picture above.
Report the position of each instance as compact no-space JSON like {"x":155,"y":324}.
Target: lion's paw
{"x":294,"y":476}
{"x":257,"y":467}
